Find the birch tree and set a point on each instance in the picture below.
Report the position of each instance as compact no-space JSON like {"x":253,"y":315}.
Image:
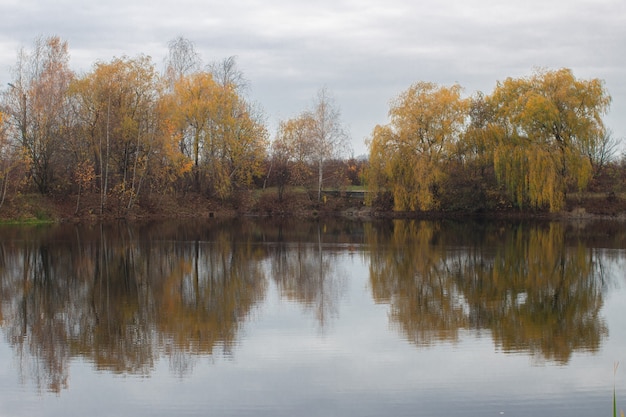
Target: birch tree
{"x":181,"y":60}
{"x":328,"y":136}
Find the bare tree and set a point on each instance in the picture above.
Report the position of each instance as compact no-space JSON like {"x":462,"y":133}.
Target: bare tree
{"x":329,"y":138}
{"x":226,"y":73}
{"x":181,"y":60}
{"x":602,"y":150}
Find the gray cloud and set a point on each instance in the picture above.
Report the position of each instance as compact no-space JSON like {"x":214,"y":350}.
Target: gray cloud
{"x":366,"y":52}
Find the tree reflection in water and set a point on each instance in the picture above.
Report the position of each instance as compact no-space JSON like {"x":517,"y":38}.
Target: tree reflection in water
{"x":307,"y":271}
{"x":532,"y":290}
{"x":121,"y":297}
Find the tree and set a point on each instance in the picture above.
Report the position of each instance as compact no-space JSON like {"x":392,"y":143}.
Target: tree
{"x":409,"y":155}
{"x":601,"y":150}
{"x":547,"y":119}
{"x":220,"y":132}
{"x":328,"y":137}
{"x":226,"y":74}
{"x":291,"y":151}
{"x":118,"y":106}
{"x":181,"y":60}
{"x":36,"y":102}
{"x":247,"y":142}
{"x":480,"y":136}
{"x":193,"y":97}
{"x":316,"y":136}
{"x":12,"y":162}
{"x":313,"y":138}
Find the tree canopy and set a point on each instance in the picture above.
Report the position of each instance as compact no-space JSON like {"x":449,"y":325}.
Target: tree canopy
{"x":411,"y":152}
{"x":535,"y":133}
{"x":131,"y":134}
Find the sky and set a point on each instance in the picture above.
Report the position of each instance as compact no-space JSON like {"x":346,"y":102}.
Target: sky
{"x":364,"y":52}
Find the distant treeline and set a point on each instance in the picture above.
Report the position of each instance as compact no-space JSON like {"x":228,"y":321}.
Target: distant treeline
{"x":127,"y":132}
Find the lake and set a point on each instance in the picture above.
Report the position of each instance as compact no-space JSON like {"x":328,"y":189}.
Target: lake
{"x":313,"y":318}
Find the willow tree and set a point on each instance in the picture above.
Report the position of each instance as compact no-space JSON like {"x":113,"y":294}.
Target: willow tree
{"x":408,"y":156}
{"x":547,"y":119}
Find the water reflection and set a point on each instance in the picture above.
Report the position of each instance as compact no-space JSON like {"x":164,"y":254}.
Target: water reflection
{"x":121,"y":297}
{"x":308,"y":271}
{"x":530,"y":288}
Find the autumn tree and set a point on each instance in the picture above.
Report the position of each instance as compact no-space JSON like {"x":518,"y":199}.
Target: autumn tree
{"x":291,"y":151}
{"x":409,"y":155}
{"x":4,"y":181}
{"x":36,"y":102}
{"x":3,"y":176}
{"x":547,"y":119}
{"x":220,"y":132}
{"x":470,"y":181}
{"x":246,"y":140}
{"x":119,"y":116}
{"x":12,"y":163}
{"x":245,"y":136}
{"x":480,"y":135}
{"x":315,"y":136}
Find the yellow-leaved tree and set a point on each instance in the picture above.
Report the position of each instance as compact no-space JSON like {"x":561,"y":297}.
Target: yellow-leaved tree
{"x":219,"y":131}
{"x":408,"y":156}
{"x":546,"y":120}
{"x":118,"y":105}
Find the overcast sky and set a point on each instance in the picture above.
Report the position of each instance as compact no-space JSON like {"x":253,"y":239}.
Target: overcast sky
{"x":365,"y":52}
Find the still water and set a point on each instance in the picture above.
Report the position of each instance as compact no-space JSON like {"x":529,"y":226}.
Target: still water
{"x":328,"y":318}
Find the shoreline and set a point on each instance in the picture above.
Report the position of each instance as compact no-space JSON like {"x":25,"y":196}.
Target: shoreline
{"x":38,"y":209}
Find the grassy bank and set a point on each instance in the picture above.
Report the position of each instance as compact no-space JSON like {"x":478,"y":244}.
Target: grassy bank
{"x":38,"y":209}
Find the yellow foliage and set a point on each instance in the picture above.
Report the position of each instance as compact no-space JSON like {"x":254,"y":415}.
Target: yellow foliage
{"x":217,"y":131}
{"x":530,"y":176}
{"x":547,"y":119}
{"x":531,"y":289}
{"x":409,"y":156}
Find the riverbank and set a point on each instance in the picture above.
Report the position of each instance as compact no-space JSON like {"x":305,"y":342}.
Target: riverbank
{"x":35,"y":208}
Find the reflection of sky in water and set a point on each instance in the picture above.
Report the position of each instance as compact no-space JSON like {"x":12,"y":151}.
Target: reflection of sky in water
{"x":358,"y":364}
